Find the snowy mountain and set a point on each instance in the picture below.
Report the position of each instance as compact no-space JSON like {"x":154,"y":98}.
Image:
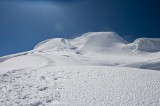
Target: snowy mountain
{"x":93,"y":49}
{"x":97,"y":68}
{"x":146,"y":44}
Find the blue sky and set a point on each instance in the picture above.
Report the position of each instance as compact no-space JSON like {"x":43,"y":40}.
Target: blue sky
{"x":24,"y":23}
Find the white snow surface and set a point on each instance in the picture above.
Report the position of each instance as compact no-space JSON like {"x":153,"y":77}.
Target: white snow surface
{"x":97,"y":68}
{"x":100,"y":49}
{"x":146,"y":44}
{"x":80,"y":86}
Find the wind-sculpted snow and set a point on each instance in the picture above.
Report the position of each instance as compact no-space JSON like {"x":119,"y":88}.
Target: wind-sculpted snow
{"x":93,"y":49}
{"x":80,"y":86}
{"x":103,"y":41}
{"x":54,"y":44}
{"x":33,"y":61}
{"x":97,"y":42}
{"x":100,"y":42}
{"x":146,"y":44}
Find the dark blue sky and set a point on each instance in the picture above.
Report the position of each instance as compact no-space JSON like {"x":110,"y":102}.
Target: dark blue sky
{"x":24,"y":23}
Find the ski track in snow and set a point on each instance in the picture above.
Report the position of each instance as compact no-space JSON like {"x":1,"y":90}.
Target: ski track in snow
{"x":80,"y":86}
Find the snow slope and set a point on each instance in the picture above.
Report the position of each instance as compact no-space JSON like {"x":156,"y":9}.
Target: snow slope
{"x":97,"y":68}
{"x":102,"y":41}
{"x":80,"y":86}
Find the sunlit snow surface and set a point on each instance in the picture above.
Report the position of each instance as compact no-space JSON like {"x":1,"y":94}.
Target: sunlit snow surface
{"x":83,"y":86}
{"x":97,"y":68}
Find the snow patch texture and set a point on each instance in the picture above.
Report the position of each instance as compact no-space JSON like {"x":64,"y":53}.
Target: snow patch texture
{"x":80,"y":86}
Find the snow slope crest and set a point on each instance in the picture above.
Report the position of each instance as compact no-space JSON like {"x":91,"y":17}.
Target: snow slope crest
{"x":101,"y":41}
{"x":104,"y":39}
{"x":146,"y":44}
{"x":54,"y":44}
{"x":93,"y":41}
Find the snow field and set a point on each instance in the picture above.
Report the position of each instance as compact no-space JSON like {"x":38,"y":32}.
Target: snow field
{"x":80,"y":86}
{"x":94,"y":69}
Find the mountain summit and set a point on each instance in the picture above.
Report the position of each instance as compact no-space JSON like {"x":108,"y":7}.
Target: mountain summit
{"x":98,"y":42}
{"x":88,"y":41}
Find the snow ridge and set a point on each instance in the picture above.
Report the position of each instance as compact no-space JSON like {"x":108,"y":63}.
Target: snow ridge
{"x":93,"y":48}
{"x":146,"y":44}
